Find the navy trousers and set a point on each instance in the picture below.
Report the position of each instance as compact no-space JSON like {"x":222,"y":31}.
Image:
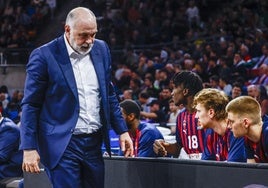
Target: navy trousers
{"x":81,"y":165}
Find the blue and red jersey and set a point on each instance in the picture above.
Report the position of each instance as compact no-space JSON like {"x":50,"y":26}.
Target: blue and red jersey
{"x":144,"y":139}
{"x":223,"y":148}
{"x":10,"y":155}
{"x":188,"y":135}
{"x":259,"y":151}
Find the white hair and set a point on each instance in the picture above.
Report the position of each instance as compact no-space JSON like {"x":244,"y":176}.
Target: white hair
{"x":80,"y":14}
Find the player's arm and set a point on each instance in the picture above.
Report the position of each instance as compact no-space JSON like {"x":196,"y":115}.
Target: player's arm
{"x":249,"y":153}
{"x":163,"y":148}
{"x":173,"y":149}
{"x":209,"y":152}
{"x":236,"y":151}
{"x":150,"y":115}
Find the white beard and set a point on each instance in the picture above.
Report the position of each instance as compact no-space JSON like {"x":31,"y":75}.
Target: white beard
{"x":82,"y":49}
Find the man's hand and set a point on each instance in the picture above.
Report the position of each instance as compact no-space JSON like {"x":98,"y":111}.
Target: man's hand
{"x":160,"y":147}
{"x":31,"y":161}
{"x":126,"y":144}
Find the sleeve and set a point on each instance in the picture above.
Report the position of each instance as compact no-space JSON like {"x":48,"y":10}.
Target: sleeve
{"x":249,"y":150}
{"x":146,"y":142}
{"x":236,"y":151}
{"x":178,"y":130}
{"x":209,"y":152}
{"x":9,"y":142}
{"x":265,"y":136}
{"x":117,"y":120}
{"x":34,"y":94}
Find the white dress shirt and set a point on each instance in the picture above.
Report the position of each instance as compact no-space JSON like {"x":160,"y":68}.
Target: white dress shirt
{"x":88,"y":92}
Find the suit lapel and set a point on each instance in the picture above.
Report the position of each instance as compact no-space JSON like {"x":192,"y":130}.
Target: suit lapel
{"x":65,"y":64}
{"x":97,"y":61}
{"x":63,"y":59}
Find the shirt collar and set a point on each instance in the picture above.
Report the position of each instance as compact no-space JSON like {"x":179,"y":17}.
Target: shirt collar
{"x":70,"y":50}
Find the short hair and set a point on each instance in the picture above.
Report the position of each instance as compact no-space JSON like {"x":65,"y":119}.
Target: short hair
{"x":136,"y":81}
{"x":166,"y":87}
{"x":225,"y":78}
{"x":213,"y":98}
{"x":188,"y":80}
{"x":238,"y":84}
{"x":79,"y":14}
{"x":245,"y":106}
{"x":214,"y":78}
{"x":171,"y":100}
{"x":144,"y":95}
{"x":129,"y":106}
{"x":150,"y":78}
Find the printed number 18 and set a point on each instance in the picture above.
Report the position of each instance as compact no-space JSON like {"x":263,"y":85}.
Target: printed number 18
{"x":192,"y":142}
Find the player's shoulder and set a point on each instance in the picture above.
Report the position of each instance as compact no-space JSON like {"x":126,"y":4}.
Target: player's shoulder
{"x":265,"y":125}
{"x":182,"y":111}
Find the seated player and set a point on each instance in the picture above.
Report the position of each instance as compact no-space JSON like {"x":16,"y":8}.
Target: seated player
{"x":220,"y":144}
{"x":10,"y":155}
{"x":185,"y":85}
{"x":143,"y":135}
{"x":245,"y":120}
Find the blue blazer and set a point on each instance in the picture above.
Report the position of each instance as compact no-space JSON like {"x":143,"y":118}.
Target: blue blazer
{"x":10,"y":156}
{"x":50,"y":106}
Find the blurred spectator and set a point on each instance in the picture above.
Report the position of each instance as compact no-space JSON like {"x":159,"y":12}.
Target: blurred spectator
{"x":174,"y":110}
{"x":142,"y":65}
{"x":192,"y":13}
{"x":12,"y":111}
{"x":225,"y":70}
{"x":212,"y":68}
{"x":214,"y":81}
{"x":127,"y":94}
{"x":225,"y":86}
{"x":262,"y":78}
{"x":236,"y":90}
{"x":149,"y":87}
{"x":163,"y":78}
{"x":253,"y":46}
{"x":4,"y":96}
{"x":263,"y":58}
{"x":244,"y":52}
{"x":155,"y":115}
{"x":143,"y":101}
{"x":135,"y":85}
{"x":20,"y":22}
{"x":259,"y":93}
{"x":52,"y":6}
{"x":238,"y":68}
{"x":164,"y":97}
{"x":254,"y":71}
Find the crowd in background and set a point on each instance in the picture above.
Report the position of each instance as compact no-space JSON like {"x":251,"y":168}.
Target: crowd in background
{"x":226,"y":47}
{"x":21,"y":21}
{"x":224,"y":42}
